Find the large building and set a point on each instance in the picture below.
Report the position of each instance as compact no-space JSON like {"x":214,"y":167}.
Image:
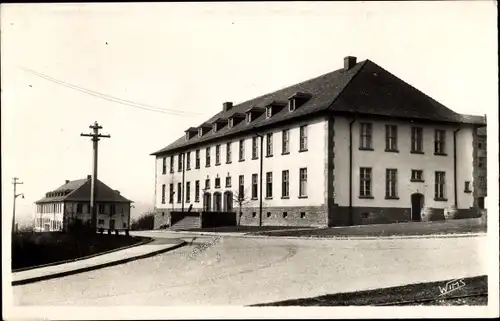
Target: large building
{"x":353,"y":146}
{"x":71,"y":201}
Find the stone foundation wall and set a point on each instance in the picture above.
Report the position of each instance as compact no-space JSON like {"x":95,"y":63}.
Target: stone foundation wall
{"x":370,"y":215}
{"x":284,"y":216}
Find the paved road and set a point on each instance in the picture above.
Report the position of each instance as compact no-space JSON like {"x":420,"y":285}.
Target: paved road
{"x":243,"y":271}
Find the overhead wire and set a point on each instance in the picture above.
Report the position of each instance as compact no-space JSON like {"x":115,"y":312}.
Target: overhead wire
{"x":108,"y":97}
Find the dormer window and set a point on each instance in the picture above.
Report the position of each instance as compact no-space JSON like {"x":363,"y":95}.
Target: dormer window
{"x":214,"y":127}
{"x":230,"y":125}
{"x":269,"y":112}
{"x":297,"y":100}
{"x":249,"y":118}
{"x":200,"y":132}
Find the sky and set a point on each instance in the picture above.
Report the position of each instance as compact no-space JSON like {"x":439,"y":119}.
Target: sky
{"x":189,"y":58}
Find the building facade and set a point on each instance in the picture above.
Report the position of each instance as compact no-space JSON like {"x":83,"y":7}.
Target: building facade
{"x":71,"y":201}
{"x":480,"y":169}
{"x":355,"y":146}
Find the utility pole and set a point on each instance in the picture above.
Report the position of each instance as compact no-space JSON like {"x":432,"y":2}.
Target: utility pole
{"x":15,"y":183}
{"x":95,"y":139}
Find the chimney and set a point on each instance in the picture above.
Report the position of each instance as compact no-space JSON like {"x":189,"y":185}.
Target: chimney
{"x":227,"y":106}
{"x":349,"y":62}
{"x":67,"y":181}
{"x":89,"y":176}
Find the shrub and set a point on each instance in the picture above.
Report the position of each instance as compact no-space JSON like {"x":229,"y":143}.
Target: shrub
{"x":145,"y":222}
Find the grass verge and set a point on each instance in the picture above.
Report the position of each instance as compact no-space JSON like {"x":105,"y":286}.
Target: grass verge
{"x":467,"y":291}
{"x":230,"y":229}
{"x":34,"y":249}
{"x":458,"y":226}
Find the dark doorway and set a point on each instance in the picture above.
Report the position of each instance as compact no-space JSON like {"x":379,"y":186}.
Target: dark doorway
{"x":207,"y":202}
{"x":217,"y":202}
{"x":228,"y":202}
{"x":417,"y":202}
{"x":111,"y":224}
{"x":480,"y":202}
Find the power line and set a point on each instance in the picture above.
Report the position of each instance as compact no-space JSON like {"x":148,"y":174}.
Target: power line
{"x":108,"y":97}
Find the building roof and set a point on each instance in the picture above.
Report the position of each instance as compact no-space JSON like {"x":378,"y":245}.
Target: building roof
{"x":364,"y":89}
{"x":79,"y":190}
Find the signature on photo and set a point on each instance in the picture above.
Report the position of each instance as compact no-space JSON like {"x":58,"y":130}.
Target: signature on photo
{"x":451,"y":286}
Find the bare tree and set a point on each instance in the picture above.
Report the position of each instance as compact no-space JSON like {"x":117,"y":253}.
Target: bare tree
{"x":242,"y":198}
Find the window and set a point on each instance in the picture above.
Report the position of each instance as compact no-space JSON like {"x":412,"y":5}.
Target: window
{"x":482,"y":182}
{"x":242,"y":150}
{"x":254,"y":186}
{"x":417,"y":175}
{"x":217,"y":155}
{"x":179,"y":163}
{"x":467,"y":187}
{"x":285,"y":184}
{"x":254,"y":148}
{"x":228,"y":153}
{"x":172,"y":192}
{"x":285,"y":214}
{"x":214,"y":127}
{"x":241,"y":187}
{"x":303,"y":182}
{"x":391,"y":138}
{"x":207,"y":183}
{"x":481,"y":143}
{"x":291,"y":105}
{"x":188,"y":161}
{"x":417,"y":140}
{"x":249,"y":118}
{"x":171,"y":164}
{"x":439,"y":186}
{"x":302,"y":214}
{"x":439,"y":142}
{"x":269,"y":112}
{"x":228,"y":181}
{"x":101,"y":208}
{"x":365,"y":182}
{"x":230,"y":123}
{"x":164,"y":165}
{"x":188,"y":192}
{"x":391,"y":183}
{"x":481,"y":162}
{"x":101,"y":222}
{"x":269,"y":185}
{"x":268,"y":214}
{"x":285,"y":141}
{"x":197,"y":159}
{"x":217,"y":182}
{"x":79,"y":207}
{"x":197,"y":191}
{"x":365,"y":139}
{"x":112,"y":209}
{"x":207,"y":157}
{"x":303,"y":138}
{"x":179,"y":192}
{"x":269,"y":145}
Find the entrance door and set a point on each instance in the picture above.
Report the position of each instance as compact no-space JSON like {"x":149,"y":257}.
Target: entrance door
{"x":217,"y":202}
{"x":417,"y":202}
{"x":111,"y":224}
{"x":206,"y":202}
{"x":228,"y":201}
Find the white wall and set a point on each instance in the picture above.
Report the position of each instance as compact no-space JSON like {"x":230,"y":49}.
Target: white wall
{"x":313,"y":159}
{"x":404,"y":161}
{"x":121,"y":216}
{"x":49,"y":216}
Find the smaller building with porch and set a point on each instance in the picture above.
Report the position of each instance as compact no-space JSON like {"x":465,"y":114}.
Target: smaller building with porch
{"x":71,"y":201}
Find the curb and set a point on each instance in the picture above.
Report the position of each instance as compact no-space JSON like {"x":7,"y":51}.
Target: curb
{"x":143,"y":242}
{"x":98,"y":266}
{"x":340,"y":237}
